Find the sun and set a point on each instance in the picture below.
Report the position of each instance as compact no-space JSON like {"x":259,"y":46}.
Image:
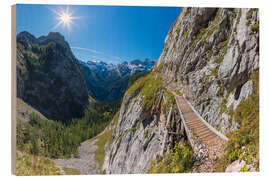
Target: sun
{"x":64,"y":17}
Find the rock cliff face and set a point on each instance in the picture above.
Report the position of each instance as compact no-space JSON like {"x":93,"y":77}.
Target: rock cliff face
{"x":209,"y":55}
{"x":147,"y":127}
{"x":49,"y":77}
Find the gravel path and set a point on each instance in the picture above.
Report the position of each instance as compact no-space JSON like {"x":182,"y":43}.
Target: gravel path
{"x":211,"y":155}
{"x":85,"y":163}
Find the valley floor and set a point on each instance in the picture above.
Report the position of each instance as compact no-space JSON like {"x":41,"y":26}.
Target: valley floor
{"x":85,"y":163}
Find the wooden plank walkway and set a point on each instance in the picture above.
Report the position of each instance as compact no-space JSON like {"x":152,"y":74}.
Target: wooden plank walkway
{"x":196,"y":126}
{"x":205,"y":140}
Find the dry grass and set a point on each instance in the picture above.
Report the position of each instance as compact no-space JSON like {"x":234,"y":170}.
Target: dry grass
{"x":31,"y":165}
{"x":71,"y":171}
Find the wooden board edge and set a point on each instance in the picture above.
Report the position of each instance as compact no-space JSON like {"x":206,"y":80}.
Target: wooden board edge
{"x":13,"y":89}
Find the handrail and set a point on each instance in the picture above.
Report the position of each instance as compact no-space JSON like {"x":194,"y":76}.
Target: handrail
{"x":206,"y":123}
{"x":191,"y":137}
{"x":185,"y":125}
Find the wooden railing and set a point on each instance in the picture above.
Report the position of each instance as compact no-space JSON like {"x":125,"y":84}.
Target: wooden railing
{"x":190,"y":135}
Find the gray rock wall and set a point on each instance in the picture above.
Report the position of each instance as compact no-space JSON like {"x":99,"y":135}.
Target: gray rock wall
{"x":209,"y":55}
{"x":140,"y":137}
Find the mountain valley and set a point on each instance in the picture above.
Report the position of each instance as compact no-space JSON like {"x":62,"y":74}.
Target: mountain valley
{"x":108,"y":82}
{"x":195,"y":109}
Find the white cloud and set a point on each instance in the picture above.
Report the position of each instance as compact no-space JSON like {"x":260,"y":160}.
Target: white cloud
{"x":101,"y":56}
{"x":87,"y":49}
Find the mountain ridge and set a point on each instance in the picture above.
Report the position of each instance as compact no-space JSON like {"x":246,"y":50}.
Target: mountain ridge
{"x":50,"y":59}
{"x":108,"y":82}
{"x":49,"y":77}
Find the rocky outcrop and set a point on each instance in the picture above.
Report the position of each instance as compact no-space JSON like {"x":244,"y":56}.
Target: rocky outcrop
{"x":240,"y":166}
{"x":141,"y":134}
{"x":137,"y":141}
{"x":209,"y":55}
{"x":236,"y":166}
{"x":24,"y":111}
{"x":49,"y":77}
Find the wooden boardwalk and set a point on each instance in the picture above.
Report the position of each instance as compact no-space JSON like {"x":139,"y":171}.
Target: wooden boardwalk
{"x":206,"y":142}
{"x":197,"y":129}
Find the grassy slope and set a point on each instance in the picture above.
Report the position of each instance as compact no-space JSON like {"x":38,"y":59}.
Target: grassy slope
{"x":100,"y":143}
{"x":244,"y":142}
{"x":71,"y":171}
{"x":102,"y":139}
{"x":32,"y":165}
{"x":25,"y":107}
{"x":147,"y":85}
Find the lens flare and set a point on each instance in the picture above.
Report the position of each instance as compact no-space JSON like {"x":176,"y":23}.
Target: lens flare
{"x":65,"y":18}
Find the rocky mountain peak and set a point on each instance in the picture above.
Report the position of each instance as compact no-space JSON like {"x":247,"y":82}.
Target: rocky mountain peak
{"x":56,"y":36}
{"x":22,"y":36}
{"x":49,"y":77}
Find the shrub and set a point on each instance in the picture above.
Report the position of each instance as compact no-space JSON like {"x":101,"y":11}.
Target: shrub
{"x":179,"y":160}
{"x":249,"y":16}
{"x":185,"y":34}
{"x":159,"y":67}
{"x":244,"y":142}
{"x":179,"y":93}
{"x":221,"y":90}
{"x":255,"y":28}
{"x":170,"y":100}
{"x":178,"y":30}
{"x":215,"y":72}
{"x":198,"y":38}
{"x":239,"y":16}
{"x":134,"y":77}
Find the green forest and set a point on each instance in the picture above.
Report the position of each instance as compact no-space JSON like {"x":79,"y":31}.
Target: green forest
{"x":57,"y":140}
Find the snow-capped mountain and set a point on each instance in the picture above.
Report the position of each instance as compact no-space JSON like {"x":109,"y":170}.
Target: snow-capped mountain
{"x":125,"y":68}
{"x":108,"y":82}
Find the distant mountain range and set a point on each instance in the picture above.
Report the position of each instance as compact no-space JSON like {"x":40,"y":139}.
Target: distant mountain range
{"x":53,"y":81}
{"x":108,"y":82}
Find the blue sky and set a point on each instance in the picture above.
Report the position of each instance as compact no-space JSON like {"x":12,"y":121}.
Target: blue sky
{"x":106,"y":33}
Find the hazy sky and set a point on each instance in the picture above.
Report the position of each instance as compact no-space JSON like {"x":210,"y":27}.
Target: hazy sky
{"x":109,"y":33}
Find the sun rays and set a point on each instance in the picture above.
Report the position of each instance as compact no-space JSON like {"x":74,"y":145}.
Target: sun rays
{"x":64,"y":17}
